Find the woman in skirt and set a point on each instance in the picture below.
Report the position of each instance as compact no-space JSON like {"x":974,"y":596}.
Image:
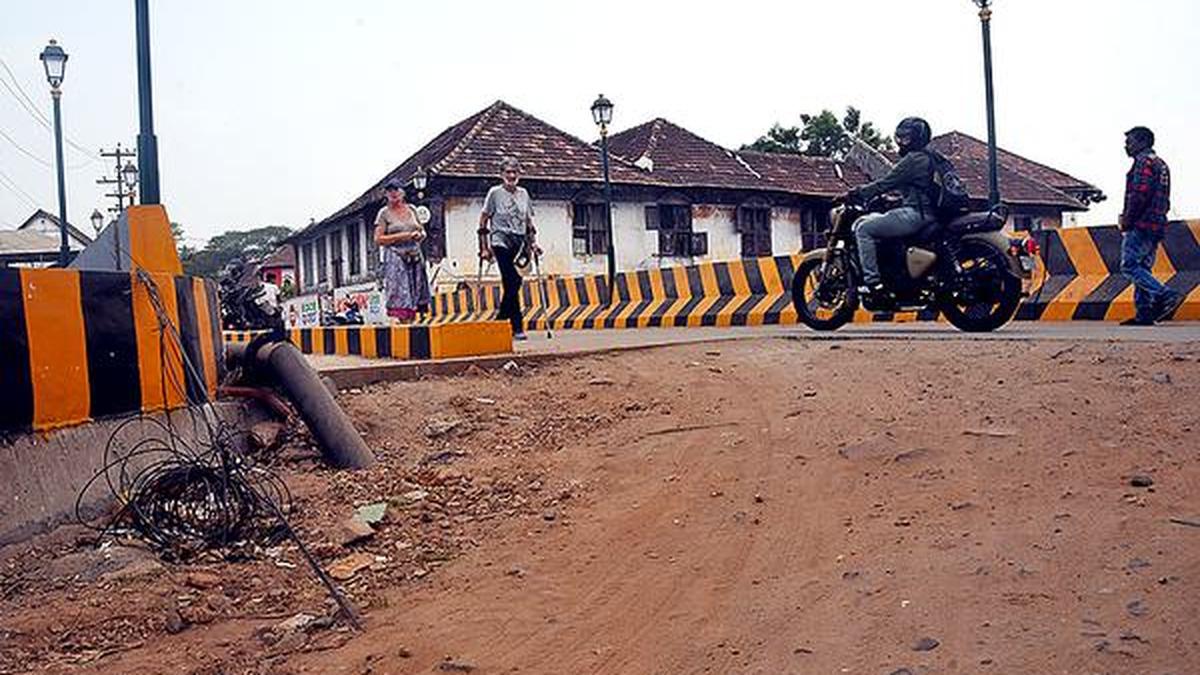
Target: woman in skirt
{"x":399,"y":235}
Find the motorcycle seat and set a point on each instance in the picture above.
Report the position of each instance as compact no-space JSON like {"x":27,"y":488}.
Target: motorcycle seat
{"x":980,"y":221}
{"x":927,"y":233}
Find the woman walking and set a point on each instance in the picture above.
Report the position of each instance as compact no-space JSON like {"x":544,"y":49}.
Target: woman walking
{"x":505,"y":229}
{"x":399,"y":234}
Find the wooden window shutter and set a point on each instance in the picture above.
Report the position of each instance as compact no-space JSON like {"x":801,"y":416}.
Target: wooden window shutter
{"x":652,"y":217}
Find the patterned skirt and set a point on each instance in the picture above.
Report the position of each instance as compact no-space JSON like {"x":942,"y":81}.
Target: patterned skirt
{"x":406,"y":285}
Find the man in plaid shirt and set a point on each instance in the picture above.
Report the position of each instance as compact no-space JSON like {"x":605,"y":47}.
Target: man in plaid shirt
{"x":1147,"y":201}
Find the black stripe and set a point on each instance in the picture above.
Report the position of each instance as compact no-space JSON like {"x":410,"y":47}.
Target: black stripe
{"x":671,"y":293}
{"x":383,"y":342}
{"x":418,"y":342}
{"x":929,"y":314}
{"x":1181,"y":247}
{"x":1034,"y":306}
{"x":560,"y":289}
{"x":1054,"y":254}
{"x":112,"y":356}
{"x":741,"y":315}
{"x":354,"y":339}
{"x":306,"y":341}
{"x":724,"y":280}
{"x":1096,"y":304}
{"x":694,"y":293}
{"x":774,"y":314}
{"x":16,"y":382}
{"x":643,"y":280}
{"x":330,"y":347}
{"x":622,"y":283}
{"x":1108,"y":243}
{"x":193,"y":367}
{"x":754,"y":277}
{"x":214,"y":322}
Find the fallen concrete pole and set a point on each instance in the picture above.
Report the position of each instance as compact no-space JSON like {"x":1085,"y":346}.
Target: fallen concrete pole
{"x":340,"y":442}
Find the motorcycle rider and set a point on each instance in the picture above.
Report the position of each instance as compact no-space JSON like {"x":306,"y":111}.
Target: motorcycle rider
{"x":912,"y":177}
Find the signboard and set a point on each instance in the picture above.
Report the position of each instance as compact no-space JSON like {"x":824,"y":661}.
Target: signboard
{"x":302,"y":312}
{"x":370,"y":300}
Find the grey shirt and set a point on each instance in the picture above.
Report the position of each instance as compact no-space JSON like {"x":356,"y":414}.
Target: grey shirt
{"x":509,"y":214}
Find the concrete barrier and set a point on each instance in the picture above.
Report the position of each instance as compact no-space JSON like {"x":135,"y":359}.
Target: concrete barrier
{"x":1079,"y":278}
{"x":408,"y":342}
{"x":77,"y":345}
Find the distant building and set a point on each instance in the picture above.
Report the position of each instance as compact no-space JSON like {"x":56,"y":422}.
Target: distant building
{"x":36,"y":242}
{"x":279,"y":267}
{"x":677,"y":198}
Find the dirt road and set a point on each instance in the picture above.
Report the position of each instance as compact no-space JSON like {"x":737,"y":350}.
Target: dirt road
{"x":769,"y":506}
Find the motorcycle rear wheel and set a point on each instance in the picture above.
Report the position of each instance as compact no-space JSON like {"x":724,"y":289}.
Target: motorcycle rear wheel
{"x":824,"y":296}
{"x":999,"y":300}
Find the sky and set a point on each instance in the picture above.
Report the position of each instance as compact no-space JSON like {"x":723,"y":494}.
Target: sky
{"x":273,"y":112}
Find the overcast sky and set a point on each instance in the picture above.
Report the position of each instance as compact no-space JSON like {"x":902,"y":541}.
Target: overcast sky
{"x":274,"y":111}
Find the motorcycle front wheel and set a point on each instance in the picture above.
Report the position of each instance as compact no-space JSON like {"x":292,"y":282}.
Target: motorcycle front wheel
{"x":989,"y":295}
{"x":823,"y":293}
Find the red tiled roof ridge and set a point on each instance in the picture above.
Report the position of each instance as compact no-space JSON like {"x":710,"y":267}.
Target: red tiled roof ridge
{"x":484,"y":115}
{"x":956,"y":137}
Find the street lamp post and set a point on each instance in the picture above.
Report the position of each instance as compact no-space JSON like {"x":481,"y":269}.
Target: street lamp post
{"x":985,"y":19}
{"x":147,"y":142}
{"x":54,"y":59}
{"x":130,"y":174}
{"x":602,"y":112}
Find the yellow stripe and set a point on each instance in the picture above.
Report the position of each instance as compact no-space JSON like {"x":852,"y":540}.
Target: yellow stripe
{"x":341,"y":341}
{"x":708,"y":284}
{"x":635,"y":298}
{"x":1089,"y":266}
{"x":156,"y":373}
{"x":318,"y":340}
{"x":684,"y":295}
{"x":400,"y":343}
{"x":57,"y":347}
{"x":208,"y":351}
{"x":367,"y":341}
{"x":658,"y":295}
{"x":741,"y":290}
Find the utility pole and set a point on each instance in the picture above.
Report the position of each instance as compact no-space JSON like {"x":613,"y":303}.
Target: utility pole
{"x":123,"y":190}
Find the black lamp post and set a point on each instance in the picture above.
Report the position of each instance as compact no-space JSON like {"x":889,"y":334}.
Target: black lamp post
{"x":602,"y":112}
{"x":54,"y":59}
{"x":147,"y":142}
{"x":985,"y":19}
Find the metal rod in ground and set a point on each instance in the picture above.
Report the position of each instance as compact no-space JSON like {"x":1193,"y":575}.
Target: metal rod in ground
{"x":537,"y":270}
{"x":340,"y":442}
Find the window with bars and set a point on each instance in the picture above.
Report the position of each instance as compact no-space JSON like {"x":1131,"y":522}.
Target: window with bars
{"x":322,"y":259}
{"x":675,"y":236}
{"x":354,"y":244}
{"x":814,"y":224}
{"x":754,"y":224}
{"x":309,"y":275}
{"x":589,"y":230}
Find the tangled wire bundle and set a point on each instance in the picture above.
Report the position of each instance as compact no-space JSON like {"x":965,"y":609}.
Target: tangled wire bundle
{"x":185,"y":499}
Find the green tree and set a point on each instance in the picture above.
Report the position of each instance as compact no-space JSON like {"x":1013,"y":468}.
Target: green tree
{"x":248,"y":245}
{"x":822,"y":135}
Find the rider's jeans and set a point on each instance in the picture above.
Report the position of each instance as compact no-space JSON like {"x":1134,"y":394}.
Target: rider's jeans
{"x":872,"y":227}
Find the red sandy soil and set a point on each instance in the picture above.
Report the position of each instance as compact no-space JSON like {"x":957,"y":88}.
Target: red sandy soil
{"x":766,"y":506}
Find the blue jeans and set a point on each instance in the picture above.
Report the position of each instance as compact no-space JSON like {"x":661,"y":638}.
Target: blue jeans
{"x":1138,"y":250}
{"x":869,"y":229}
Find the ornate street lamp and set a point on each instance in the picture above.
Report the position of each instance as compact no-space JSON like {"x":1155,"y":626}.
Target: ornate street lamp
{"x":130,"y":174}
{"x":985,"y":19}
{"x":420,"y":180}
{"x":97,"y":221}
{"x":602,"y":114}
{"x":54,"y":59}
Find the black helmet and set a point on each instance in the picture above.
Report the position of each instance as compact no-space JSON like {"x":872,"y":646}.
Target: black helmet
{"x":913,"y":133}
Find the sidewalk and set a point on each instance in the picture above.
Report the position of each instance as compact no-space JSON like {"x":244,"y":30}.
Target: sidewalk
{"x":355,"y":370}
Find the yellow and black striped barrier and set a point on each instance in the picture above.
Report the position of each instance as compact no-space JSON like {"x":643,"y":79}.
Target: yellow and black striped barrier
{"x":1080,"y":274}
{"x":406,"y":342}
{"x":1079,"y":278}
{"x":81,"y":345}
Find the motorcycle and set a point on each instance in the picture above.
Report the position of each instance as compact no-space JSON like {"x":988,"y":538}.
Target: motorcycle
{"x":965,"y":267}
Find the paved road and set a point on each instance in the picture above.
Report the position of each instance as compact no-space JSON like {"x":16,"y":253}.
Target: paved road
{"x":585,"y":341}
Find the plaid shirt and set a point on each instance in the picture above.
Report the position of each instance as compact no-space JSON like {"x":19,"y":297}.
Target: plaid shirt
{"x":1148,"y":193}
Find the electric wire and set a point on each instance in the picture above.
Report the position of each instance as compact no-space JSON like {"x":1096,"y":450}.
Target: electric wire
{"x":30,"y":107}
{"x":16,"y":189}
{"x":185,"y":497}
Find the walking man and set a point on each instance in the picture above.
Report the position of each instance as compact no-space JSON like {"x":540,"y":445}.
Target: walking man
{"x":1144,"y":220}
{"x":505,"y":229}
